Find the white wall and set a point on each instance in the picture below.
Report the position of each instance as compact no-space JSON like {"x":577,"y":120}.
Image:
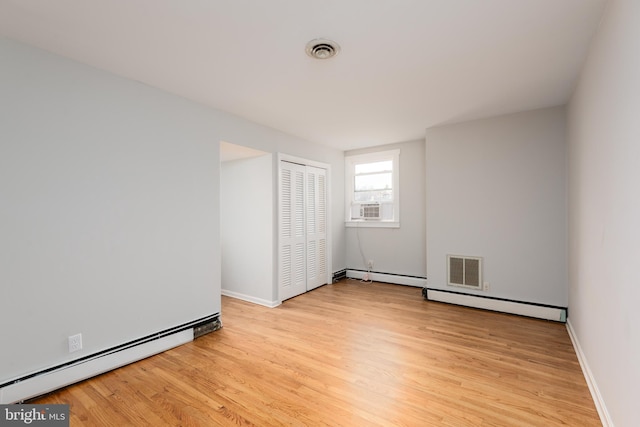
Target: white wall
{"x":395,"y":250}
{"x":240,"y":132}
{"x":247,"y":234}
{"x":604,"y":211}
{"x":109,"y":207}
{"x":496,"y":188}
{"x":108,"y":210}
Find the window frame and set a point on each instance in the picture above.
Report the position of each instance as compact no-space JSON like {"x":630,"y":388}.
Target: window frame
{"x":350,"y":163}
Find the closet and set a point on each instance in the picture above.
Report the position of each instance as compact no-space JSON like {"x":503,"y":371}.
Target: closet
{"x":302,"y":241}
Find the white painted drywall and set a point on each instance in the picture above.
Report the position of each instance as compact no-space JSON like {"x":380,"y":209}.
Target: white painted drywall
{"x":604,"y":211}
{"x":496,"y":188}
{"x":108,"y":210}
{"x":237,"y":131}
{"x":246,"y":218}
{"x":109,"y":206}
{"x":395,"y":250}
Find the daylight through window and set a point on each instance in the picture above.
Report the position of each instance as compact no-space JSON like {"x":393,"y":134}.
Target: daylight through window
{"x":372,"y":189}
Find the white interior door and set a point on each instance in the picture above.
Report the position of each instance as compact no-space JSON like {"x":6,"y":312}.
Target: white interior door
{"x":303,"y":249}
{"x":292,"y":262}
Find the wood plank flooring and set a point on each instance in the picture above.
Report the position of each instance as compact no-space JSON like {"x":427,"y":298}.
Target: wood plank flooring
{"x":349,"y":354}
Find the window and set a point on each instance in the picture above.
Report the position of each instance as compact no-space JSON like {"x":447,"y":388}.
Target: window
{"x":372,"y":189}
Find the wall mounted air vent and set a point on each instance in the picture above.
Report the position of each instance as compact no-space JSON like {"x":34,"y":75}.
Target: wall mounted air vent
{"x":464,"y":271}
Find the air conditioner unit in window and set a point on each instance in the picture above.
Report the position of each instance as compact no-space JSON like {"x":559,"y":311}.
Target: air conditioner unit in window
{"x":370,"y":210}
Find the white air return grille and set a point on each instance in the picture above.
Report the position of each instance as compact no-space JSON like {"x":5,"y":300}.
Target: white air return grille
{"x":370,"y":210}
{"x":464,"y":271}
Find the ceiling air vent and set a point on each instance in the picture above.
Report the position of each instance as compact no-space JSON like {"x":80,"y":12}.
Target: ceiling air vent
{"x":322,"y":48}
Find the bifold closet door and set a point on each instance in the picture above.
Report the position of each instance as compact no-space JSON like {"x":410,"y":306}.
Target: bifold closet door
{"x":292,"y":263}
{"x":316,"y":208}
{"x":303,"y":261}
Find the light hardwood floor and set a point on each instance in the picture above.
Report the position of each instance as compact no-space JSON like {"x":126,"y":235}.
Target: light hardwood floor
{"x":349,"y":354}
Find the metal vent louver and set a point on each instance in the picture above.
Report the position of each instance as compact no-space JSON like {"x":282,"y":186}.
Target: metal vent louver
{"x":464,"y":271}
{"x":370,"y":210}
{"x":322,"y":48}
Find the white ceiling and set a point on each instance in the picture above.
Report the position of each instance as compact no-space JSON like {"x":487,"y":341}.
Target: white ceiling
{"x":405,"y":65}
{"x":230,"y":152}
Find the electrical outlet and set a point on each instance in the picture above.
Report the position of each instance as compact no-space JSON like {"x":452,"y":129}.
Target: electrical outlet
{"x":75,"y":343}
{"x":485,"y":286}
{"x":370,"y":264}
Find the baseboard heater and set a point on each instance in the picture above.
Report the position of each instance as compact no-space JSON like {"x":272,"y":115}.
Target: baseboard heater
{"x":339,"y":275}
{"x":540,"y":311}
{"x":55,"y":377}
{"x":397,"y":279}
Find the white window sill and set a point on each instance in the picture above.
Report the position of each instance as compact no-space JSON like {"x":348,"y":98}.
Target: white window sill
{"x":372,"y":224}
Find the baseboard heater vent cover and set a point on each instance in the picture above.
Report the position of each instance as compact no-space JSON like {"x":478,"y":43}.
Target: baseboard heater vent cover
{"x":339,"y":275}
{"x":397,"y":279}
{"x":55,"y":377}
{"x":206,"y":327}
{"x":540,"y":311}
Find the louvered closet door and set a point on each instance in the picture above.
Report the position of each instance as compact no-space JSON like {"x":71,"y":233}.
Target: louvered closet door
{"x":316,"y":207}
{"x":292,"y":263}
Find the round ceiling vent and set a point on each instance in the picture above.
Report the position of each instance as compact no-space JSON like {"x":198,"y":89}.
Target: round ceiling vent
{"x":322,"y":48}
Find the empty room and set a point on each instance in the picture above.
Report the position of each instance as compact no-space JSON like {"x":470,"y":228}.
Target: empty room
{"x":340,"y":213}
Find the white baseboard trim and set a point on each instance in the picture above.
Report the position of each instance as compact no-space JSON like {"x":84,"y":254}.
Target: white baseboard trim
{"x":388,"y":278}
{"x":505,"y":306}
{"x":66,"y":375}
{"x":249,"y":298}
{"x":605,"y":418}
